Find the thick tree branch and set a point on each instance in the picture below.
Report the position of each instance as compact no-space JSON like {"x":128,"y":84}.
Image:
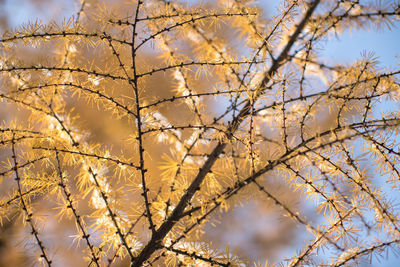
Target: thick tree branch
{"x":157,"y":237}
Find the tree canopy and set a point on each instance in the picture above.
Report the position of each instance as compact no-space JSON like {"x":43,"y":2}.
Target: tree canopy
{"x":156,"y":132}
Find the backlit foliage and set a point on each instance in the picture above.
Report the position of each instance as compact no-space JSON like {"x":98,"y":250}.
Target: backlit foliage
{"x":132,"y":128}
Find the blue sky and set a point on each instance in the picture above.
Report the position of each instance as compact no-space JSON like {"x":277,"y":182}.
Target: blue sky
{"x":347,"y":48}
